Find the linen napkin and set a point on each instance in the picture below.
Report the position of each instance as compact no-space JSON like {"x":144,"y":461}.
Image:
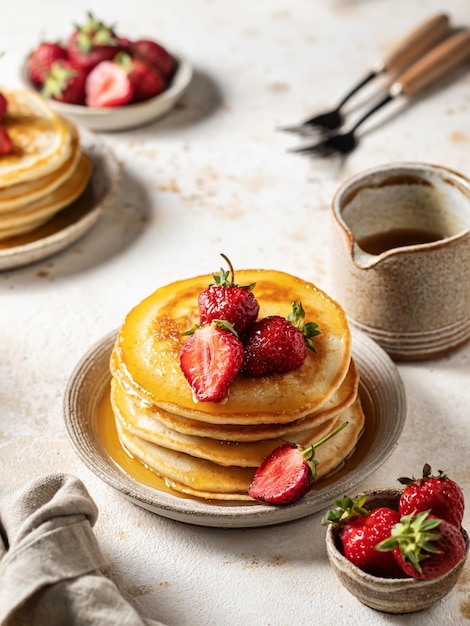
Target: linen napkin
{"x":50,"y":559}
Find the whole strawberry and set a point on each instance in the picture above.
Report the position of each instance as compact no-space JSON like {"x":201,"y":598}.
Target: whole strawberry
{"x":225,"y":300}
{"x":65,"y":83}
{"x":288,"y":472}
{"x":360,"y":530}
{"x":108,"y":85}
{"x":146,"y":82}
{"x":91,"y":43}
{"x":210,"y":360}
{"x":155,"y":55}
{"x":3,"y":106}
{"x":41,"y":59}
{"x":439,"y":494}
{"x":424,"y":546}
{"x":276,"y":345}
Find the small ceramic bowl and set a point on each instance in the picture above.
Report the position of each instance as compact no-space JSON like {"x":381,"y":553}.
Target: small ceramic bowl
{"x":390,"y":595}
{"x":131,"y":115}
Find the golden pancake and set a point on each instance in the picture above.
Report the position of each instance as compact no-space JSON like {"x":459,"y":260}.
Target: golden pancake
{"x":138,"y":421}
{"x":149,"y":342}
{"x":42,"y":141}
{"x":209,"y":480}
{"x":43,"y":209}
{"x":17,"y":196}
{"x":133,"y":406}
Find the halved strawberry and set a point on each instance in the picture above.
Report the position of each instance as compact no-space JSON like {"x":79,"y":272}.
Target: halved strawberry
{"x":225,"y":300}
{"x":108,"y":85}
{"x":210,"y":360}
{"x":288,"y":472}
{"x":6,"y":144}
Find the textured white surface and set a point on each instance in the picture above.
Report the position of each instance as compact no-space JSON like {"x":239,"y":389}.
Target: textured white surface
{"x":214,"y":176}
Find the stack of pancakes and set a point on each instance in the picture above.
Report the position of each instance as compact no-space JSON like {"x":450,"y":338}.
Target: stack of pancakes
{"x":211,"y":450}
{"x":46,"y":170}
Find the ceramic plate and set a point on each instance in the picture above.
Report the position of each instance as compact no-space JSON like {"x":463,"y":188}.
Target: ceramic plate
{"x":131,"y":115}
{"x":384,"y":401}
{"x":71,"y":223}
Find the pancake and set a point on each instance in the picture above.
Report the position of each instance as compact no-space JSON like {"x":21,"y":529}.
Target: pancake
{"x":42,"y":141}
{"x":149,"y":342}
{"x":17,"y":196}
{"x":135,"y":408}
{"x":208,"y":480}
{"x":46,"y":206}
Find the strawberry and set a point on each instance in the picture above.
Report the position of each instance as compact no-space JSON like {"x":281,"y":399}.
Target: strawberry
{"x":3,"y":106}
{"x":146,"y":82}
{"x":91,"y":43}
{"x":155,"y":55}
{"x":210,"y":360}
{"x":6,"y":144}
{"x":225,"y":300}
{"x":360,"y":530}
{"x":65,"y":83}
{"x":41,"y":59}
{"x":276,"y":345}
{"x":108,"y":85}
{"x":287,"y":473}
{"x":424,"y":546}
{"x":440,"y":494}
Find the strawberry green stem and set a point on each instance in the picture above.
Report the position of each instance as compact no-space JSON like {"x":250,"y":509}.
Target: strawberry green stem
{"x":308,"y":454}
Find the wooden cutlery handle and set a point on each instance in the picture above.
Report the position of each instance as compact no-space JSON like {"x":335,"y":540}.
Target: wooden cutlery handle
{"x":419,"y":41}
{"x":434,"y":65}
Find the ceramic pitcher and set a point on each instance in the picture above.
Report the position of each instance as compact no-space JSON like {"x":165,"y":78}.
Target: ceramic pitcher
{"x":401,"y":257}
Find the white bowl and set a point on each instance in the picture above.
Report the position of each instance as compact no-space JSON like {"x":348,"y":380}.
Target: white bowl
{"x":131,"y":115}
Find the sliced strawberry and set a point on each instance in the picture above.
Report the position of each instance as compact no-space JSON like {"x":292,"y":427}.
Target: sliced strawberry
{"x":108,"y":85}
{"x":287,"y":473}
{"x":3,"y":106}
{"x":41,"y":59}
{"x":225,"y":300}
{"x":276,"y":345}
{"x":146,"y":82}
{"x":6,"y":144}
{"x":154,"y":55}
{"x":65,"y":83}
{"x":210,"y":360}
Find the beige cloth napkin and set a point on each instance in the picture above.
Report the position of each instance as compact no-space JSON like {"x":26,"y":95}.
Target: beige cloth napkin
{"x":50,"y":559}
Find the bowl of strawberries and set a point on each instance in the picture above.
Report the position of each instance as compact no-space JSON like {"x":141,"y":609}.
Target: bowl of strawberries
{"x":399,"y":550}
{"x":106,"y":81}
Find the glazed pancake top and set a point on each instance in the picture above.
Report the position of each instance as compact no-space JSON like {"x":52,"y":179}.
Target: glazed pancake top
{"x":149,"y":343}
{"x":42,"y":141}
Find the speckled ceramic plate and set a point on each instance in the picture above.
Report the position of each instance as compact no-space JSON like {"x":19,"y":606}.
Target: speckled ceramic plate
{"x":384,"y":401}
{"x":75,"y":220}
{"x":131,"y":115}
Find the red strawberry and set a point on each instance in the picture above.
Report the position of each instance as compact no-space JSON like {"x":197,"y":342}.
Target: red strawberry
{"x":439,"y":494}
{"x":275,"y":344}
{"x":65,"y":83}
{"x":210,"y":360}
{"x":3,"y":106}
{"x":108,"y":85}
{"x":224,"y":300}
{"x":154,"y":55}
{"x":146,"y":82}
{"x":424,"y":546}
{"x":287,"y":473}
{"x":41,"y":59}
{"x":6,"y":144}
{"x":360,"y":530}
{"x":92,"y":43}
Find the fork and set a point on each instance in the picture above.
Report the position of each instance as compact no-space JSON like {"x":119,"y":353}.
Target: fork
{"x":418,"y":42}
{"x":427,"y":70}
